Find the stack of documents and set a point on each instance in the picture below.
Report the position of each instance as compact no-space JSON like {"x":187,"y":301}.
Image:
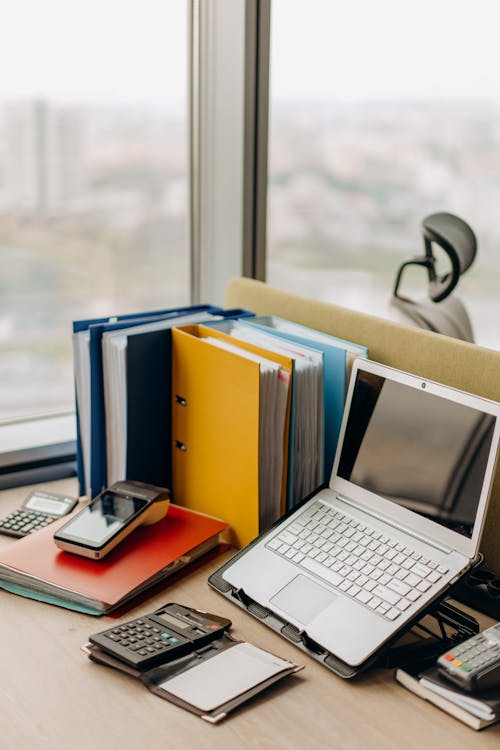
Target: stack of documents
{"x":127,"y":408}
{"x":34,"y":567}
{"x":306,"y":437}
{"x":317,"y":406}
{"x":135,"y":368}
{"x":477,"y":710}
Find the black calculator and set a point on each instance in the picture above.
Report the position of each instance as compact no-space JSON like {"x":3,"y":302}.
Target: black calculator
{"x":39,"y":509}
{"x":172,"y":631}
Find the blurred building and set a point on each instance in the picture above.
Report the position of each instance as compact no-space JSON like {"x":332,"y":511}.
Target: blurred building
{"x":43,"y":157}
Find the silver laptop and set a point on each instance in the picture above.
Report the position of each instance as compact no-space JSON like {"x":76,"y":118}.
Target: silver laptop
{"x":400,"y":521}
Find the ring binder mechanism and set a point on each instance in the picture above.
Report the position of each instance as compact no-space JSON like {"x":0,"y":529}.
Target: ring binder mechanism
{"x":421,"y":641}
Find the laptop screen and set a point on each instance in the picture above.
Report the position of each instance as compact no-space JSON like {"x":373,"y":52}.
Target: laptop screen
{"x":422,"y":451}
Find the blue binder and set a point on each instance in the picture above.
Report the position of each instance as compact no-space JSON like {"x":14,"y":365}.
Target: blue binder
{"x":95,"y":328}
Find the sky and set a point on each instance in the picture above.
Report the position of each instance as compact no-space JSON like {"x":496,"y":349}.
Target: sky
{"x":94,"y":50}
{"x":135,"y":50}
{"x":356,"y":49}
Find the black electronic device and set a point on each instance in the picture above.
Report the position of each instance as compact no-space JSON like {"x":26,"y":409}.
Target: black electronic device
{"x":39,"y":509}
{"x":171,"y":631}
{"x":111,"y":516}
{"x":474,"y":665}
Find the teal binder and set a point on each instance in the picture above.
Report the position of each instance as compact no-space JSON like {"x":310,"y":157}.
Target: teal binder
{"x":337,"y":358}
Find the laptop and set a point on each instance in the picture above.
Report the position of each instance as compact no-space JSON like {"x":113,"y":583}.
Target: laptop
{"x":400,"y":521}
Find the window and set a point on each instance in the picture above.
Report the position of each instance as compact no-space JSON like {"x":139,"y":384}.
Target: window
{"x":93,"y":180}
{"x":382,"y":113}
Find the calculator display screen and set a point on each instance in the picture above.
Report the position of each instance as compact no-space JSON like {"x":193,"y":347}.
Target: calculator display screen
{"x":46,"y":505}
{"x":103,"y":519}
{"x":173,"y":621}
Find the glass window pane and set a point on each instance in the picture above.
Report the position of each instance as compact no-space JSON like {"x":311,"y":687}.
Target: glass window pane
{"x":93,"y":179}
{"x":382,"y":113}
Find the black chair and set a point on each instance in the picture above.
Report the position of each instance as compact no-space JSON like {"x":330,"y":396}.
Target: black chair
{"x":440,"y":313}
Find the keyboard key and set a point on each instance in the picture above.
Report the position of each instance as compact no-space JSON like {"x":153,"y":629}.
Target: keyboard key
{"x":412,"y":580}
{"x":393,"y":614}
{"x":423,"y":586}
{"x":327,"y":573}
{"x":399,"y":587}
{"x":353,"y":590}
{"x":403,"y":604}
{"x":421,"y":570}
{"x":363,"y":597}
{"x":387,"y":595}
{"x":433,"y":576}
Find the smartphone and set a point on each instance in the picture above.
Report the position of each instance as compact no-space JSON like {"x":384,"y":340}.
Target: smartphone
{"x":112,"y":516}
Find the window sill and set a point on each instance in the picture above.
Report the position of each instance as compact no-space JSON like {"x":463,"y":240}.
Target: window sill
{"x":36,"y":450}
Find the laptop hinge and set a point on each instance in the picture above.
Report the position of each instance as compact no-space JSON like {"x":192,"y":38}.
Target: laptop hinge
{"x":394,"y":524}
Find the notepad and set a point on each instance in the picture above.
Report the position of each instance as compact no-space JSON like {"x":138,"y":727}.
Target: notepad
{"x":224,"y":677}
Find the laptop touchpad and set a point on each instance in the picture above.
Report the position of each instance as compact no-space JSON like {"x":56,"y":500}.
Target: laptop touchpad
{"x":303,"y":599}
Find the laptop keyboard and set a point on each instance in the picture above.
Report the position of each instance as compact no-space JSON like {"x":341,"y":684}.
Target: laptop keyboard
{"x":365,"y":564}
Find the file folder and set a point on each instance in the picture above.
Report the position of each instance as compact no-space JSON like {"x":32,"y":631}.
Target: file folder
{"x":338,"y":356}
{"x":89,"y":392}
{"x":215,"y":429}
{"x":306,"y":434}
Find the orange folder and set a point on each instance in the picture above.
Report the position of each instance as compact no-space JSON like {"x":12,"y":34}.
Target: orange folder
{"x":148,"y":555}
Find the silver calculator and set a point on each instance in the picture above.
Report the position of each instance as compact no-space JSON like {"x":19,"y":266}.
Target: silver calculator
{"x":39,"y":509}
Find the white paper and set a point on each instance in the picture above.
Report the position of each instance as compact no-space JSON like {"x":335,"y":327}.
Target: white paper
{"x":225,"y":676}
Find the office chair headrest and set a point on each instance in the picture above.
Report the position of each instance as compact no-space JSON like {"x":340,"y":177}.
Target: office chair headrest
{"x":459,"y":243}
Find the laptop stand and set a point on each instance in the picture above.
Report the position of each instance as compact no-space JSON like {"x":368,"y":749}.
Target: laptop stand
{"x":420,"y":641}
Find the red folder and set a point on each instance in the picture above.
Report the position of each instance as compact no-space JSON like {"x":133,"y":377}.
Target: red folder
{"x":35,"y":567}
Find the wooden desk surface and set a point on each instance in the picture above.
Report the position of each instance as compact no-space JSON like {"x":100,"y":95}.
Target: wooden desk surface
{"x":52,"y":697}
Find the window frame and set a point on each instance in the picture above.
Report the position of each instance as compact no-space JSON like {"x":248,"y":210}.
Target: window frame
{"x":227,"y":174}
